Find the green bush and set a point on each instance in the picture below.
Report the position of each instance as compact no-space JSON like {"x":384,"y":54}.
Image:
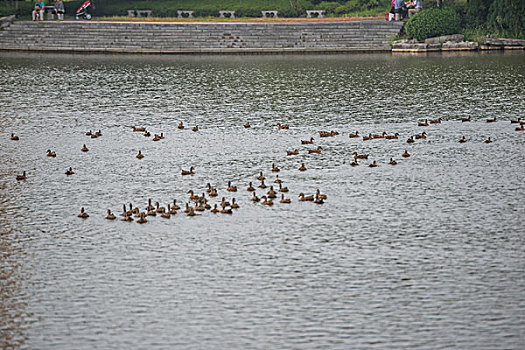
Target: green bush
{"x":433,"y":22}
{"x":24,"y":9}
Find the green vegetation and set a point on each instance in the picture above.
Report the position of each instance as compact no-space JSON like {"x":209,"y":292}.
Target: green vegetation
{"x":433,"y":22}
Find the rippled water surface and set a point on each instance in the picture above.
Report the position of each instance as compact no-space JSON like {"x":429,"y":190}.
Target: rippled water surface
{"x":427,"y":254}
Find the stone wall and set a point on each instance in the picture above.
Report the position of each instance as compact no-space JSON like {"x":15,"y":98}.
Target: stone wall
{"x":200,"y":37}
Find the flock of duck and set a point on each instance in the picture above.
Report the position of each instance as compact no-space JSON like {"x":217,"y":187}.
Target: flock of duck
{"x":200,"y":203}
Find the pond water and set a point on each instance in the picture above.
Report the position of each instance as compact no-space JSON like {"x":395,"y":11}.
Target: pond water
{"x":426,"y":254}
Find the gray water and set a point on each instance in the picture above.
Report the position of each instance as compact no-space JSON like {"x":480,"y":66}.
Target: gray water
{"x":427,"y":254}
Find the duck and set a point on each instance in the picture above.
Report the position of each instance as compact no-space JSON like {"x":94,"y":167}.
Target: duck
{"x":406,"y":154}
{"x":292,"y":153}
{"x":231,"y":188}
{"x":360,"y":156}
{"x":110,"y":215}
{"x":142,"y":219}
{"x":254,"y":197}
{"x":140,"y":155}
{"x":14,"y":137}
{"x":277,"y":180}
{"x":224,"y":203}
{"x":195,"y":128}
{"x":354,"y":135}
{"x":262,"y":185}
{"x":226,"y":211}
{"x":94,"y":136}
{"x":131,"y":210}
{"x":272,"y":193}
{"x":379,"y":136}
{"x":51,"y":153}
{"x":463,"y":120}
{"x":493,"y":120}
{"x":234,"y":205}
{"x":83,"y":214}
{"x":98,"y":133}
{"x":199,"y":206}
{"x":373,"y":165}
{"x":261,"y":176}
{"x":318,"y":200}
{"x":188,"y":172}
{"x":151,"y":213}
{"x":187,"y":209}
{"x":285,"y":200}
{"x":282,"y":189}
{"x":435,"y":121}
{"x":423,"y":135}
{"x":250,"y":188}
{"x":354,"y":163}
{"x":284,"y":126}
{"x":334,"y":133}
{"x":392,"y":137}
{"x":159,"y":209}
{"x":172,"y":210}
{"x":215,"y":210}
{"x":247,"y":125}
{"x":149,"y":206}
{"x":156,"y":137}
{"x":69,"y":171}
{"x":147,"y":134}
{"x":304,"y":198}
{"x":193,"y":197}
{"x":180,"y":126}
{"x":515,"y":121}
{"x":84,"y":148}
{"x":124,"y":211}
{"x":162,"y":136}
{"x":266,"y":201}
{"x":137,"y":129}
{"x":307,"y":142}
{"x":462,"y":140}
{"x":425,"y":123}
{"x":213,"y":193}
{"x":21,"y":177}
{"x":520,"y":128}
{"x":369,"y":137}
{"x":175,"y":206}
{"x":318,"y":194}
{"x":275,"y":169}
{"x":411,"y":139}
{"x":128,"y":218}
{"x":488,"y":140}
{"x":167,"y":214}
{"x":315,"y":150}
{"x":302,"y":167}
{"x":392,"y":162}
{"x":89,"y":133}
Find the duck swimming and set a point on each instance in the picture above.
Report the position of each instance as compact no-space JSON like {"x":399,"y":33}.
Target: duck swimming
{"x":110,"y":215}
{"x":354,"y":135}
{"x":292,"y":153}
{"x":272,"y":193}
{"x":83,"y":214}
{"x":147,"y":134}
{"x":277,"y":180}
{"x":140,"y":155}
{"x":425,"y":123}
{"x":215,"y":210}
{"x":181,"y":126}
{"x":282,"y":189}
{"x":188,"y":172}
{"x":142,"y":219}
{"x":285,"y":200}
{"x":392,"y":162}
{"x":406,"y":155}
{"x":307,"y":142}
{"x":50,"y":153}
{"x":254,"y":197}
{"x":463,"y":120}
{"x":360,"y":156}
{"x":21,"y":177}
{"x":284,"y":126}
{"x":304,"y":198}
{"x":462,"y":140}
{"x":234,"y":205}
{"x":136,"y":129}
{"x":231,"y":188}
{"x":84,"y":148}
{"x":373,"y":165}
{"x":266,"y":201}
{"x":69,"y":171}
{"x":195,"y":128}
{"x":247,"y":125}
{"x":488,"y":140}
{"x":302,"y":167}
{"x":275,"y":169}
{"x":14,"y":137}
{"x":250,"y":188}
{"x":315,"y":150}
{"x":261,"y":176}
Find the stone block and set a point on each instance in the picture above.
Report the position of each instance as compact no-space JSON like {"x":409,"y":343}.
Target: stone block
{"x":445,"y":38}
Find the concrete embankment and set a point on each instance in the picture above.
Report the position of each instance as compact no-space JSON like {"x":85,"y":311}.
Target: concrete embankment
{"x":200,"y":37}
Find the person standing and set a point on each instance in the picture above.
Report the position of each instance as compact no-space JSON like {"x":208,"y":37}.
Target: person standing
{"x":38,"y":10}
{"x":59,"y":10}
{"x":418,"y":5}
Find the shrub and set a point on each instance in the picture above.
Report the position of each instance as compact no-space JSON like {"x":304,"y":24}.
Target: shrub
{"x":433,"y":22}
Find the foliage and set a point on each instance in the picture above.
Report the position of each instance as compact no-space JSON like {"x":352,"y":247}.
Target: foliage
{"x":507,"y":17}
{"x":433,"y":22}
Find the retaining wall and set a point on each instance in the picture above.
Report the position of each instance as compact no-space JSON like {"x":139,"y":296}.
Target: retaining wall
{"x":200,"y":37}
